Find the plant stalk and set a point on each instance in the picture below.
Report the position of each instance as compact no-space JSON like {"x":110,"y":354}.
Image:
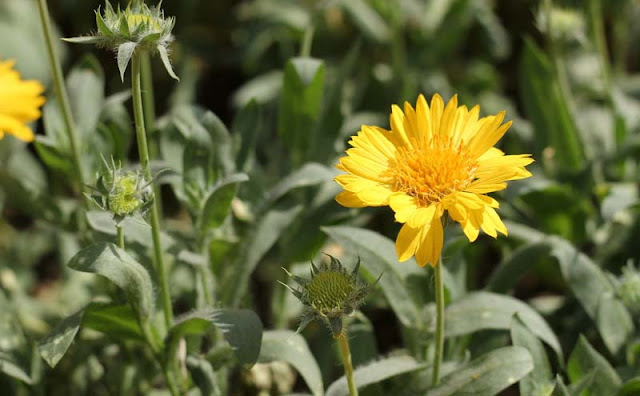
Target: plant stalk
{"x":437,"y":360}
{"x":120,"y":236}
{"x":345,"y":352}
{"x":62,"y":96}
{"x":307,"y":40}
{"x":154,"y":217}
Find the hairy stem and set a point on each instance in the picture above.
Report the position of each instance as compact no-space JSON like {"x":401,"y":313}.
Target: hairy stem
{"x":154,"y":217}
{"x":345,"y":352}
{"x":437,"y":360}
{"x":62,"y":96}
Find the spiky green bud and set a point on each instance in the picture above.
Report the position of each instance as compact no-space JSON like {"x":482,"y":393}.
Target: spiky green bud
{"x":136,"y":28}
{"x":330,"y":294}
{"x":123,"y":193}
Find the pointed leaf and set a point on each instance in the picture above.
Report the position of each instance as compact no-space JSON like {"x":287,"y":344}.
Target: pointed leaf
{"x":83,"y":40}
{"x":583,"y":360}
{"x":483,"y":310}
{"x":487,"y":375}
{"x":55,"y":345}
{"x":292,"y":348}
{"x":376,"y":372}
{"x":164,"y":55}
{"x":241,"y":328}
{"x":119,"y":267}
{"x":261,"y":239}
{"x":125,"y":51}
{"x":11,"y":368}
{"x":246,"y":127}
{"x":218,"y":202}
{"x":539,"y":381}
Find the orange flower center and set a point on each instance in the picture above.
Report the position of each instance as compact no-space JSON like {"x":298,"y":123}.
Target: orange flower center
{"x":432,"y":169}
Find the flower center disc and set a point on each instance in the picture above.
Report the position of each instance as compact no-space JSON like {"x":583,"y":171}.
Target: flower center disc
{"x":432,"y":169}
{"x":329,"y":290}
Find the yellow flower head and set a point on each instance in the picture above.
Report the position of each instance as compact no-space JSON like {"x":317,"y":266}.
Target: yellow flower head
{"x":434,"y":159}
{"x":20,"y":102}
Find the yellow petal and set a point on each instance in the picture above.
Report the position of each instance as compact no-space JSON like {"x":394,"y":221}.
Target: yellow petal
{"x":396,"y":120}
{"x":423,"y":116}
{"x":407,"y":242}
{"x":430,"y":246}
{"x":436,"y":113}
{"x":422,"y":216}
{"x":404,"y":206}
{"x":446,"y":123}
{"x":350,"y":200}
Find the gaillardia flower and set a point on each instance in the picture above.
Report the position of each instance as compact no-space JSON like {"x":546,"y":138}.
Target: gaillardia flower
{"x":20,"y":103}
{"x":435,"y":159}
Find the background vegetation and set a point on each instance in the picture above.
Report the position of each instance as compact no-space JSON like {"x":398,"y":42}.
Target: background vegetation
{"x":251,"y":134}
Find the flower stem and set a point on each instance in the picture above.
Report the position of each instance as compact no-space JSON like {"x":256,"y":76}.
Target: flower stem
{"x":437,"y":361}
{"x":61,"y":94}
{"x":120,"y":234}
{"x":143,"y":152}
{"x":345,"y":352}
{"x":305,"y":49}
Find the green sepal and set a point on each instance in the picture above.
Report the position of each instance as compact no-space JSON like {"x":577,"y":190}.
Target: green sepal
{"x":83,"y":40}
{"x":164,"y":55}
{"x":102,"y":25}
{"x":124,"y":27}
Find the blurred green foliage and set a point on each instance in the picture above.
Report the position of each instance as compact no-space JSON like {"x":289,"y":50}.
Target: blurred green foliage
{"x":251,"y":134}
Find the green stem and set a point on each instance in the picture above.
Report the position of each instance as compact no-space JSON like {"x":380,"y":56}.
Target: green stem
{"x":143,"y":152}
{"x":346,"y":360}
{"x":120,"y":235}
{"x":556,"y":56}
{"x":598,"y":37}
{"x":61,"y":94}
{"x":437,"y":361}
{"x":148,"y":104}
{"x":307,"y":40}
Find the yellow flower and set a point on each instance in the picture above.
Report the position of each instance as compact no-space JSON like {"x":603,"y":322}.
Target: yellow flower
{"x":19,"y":103}
{"x":434,"y":159}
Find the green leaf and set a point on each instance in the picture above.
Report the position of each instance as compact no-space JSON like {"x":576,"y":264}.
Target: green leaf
{"x":135,"y":229}
{"x":83,"y":40}
{"x":218,"y":202}
{"x":55,"y":345}
{"x":548,"y":110}
{"x":263,"y":236}
{"x":300,"y":105}
{"x":309,"y":175}
{"x":376,"y":372}
{"x":487,"y":375}
{"x":378,"y":256}
{"x":514,"y":266}
{"x":630,"y":388}
{"x":367,"y":19}
{"x":241,"y":328}
{"x":102,"y":25}
{"x":539,"y":381}
{"x":85,"y":84}
{"x":595,"y":293}
{"x":54,"y":157}
{"x":246,"y":127}
{"x":11,"y":368}
{"x":583,"y":360}
{"x":112,"y":319}
{"x":483,"y":310}
{"x":124,"y":26}
{"x":125,"y":51}
{"x":164,"y":56}
{"x":290,"y":347}
{"x":203,"y":375}
{"x":119,"y":267}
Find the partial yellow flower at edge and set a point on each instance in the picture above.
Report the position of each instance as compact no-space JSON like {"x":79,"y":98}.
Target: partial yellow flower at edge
{"x":20,"y":102}
{"x":435,"y":159}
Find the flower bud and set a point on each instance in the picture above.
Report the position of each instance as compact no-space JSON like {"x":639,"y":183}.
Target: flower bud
{"x":330,"y":294}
